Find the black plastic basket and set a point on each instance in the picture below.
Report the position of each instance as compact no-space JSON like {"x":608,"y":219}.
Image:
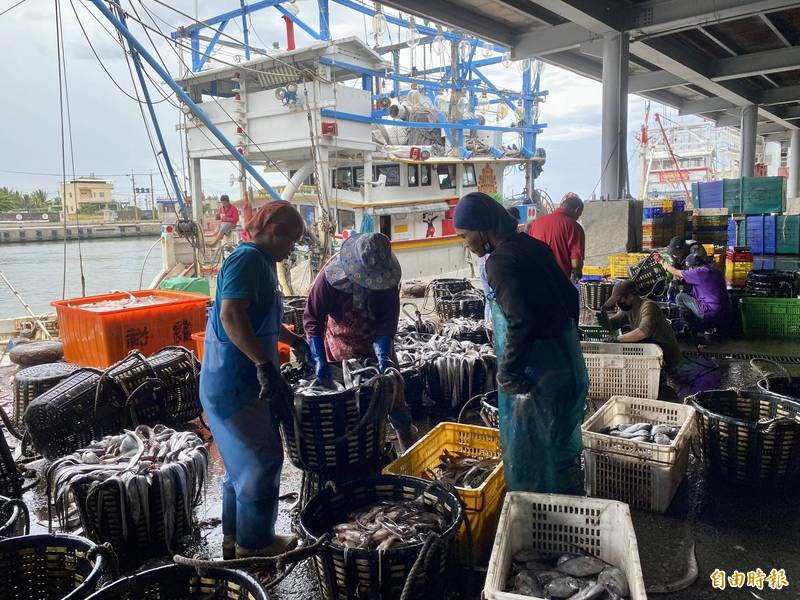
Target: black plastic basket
{"x":594,"y":294}
{"x":447,"y":287}
{"x":650,"y":278}
{"x":750,"y":438}
{"x":49,"y":567}
{"x":32,"y":382}
{"x":785,"y":389}
{"x":414,"y":388}
{"x":78,"y":410}
{"x":345,"y":573}
{"x":337,"y":432}
{"x":15,"y":519}
{"x":770,"y":284}
{"x":479,"y":336}
{"x":11,"y":478}
{"x":178,"y":582}
{"x":490,"y":413}
{"x":293,"y":309}
{"x":467,"y":304}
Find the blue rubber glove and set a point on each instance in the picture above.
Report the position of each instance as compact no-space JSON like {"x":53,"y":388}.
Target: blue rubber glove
{"x":320,"y":359}
{"x":382,"y":347}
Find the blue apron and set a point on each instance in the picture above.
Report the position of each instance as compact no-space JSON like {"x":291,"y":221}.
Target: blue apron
{"x":244,"y":431}
{"x":540,"y":432}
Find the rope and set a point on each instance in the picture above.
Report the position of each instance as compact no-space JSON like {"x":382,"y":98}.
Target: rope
{"x":432,"y":542}
{"x":252,"y":562}
{"x":24,"y":512}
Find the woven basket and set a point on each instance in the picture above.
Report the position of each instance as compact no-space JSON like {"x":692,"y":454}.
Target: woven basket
{"x":49,"y":567}
{"x":650,"y":278}
{"x":749,"y":437}
{"x":594,"y":294}
{"x":293,"y":309}
{"x":346,"y":573}
{"x":78,"y":410}
{"x":468,"y":304}
{"x":490,"y":413}
{"x":178,"y":582}
{"x":414,"y":387}
{"x":11,"y":478}
{"x":446,"y":287}
{"x":14,"y":518}
{"x":163,"y":388}
{"x":479,"y":337}
{"x":337,"y":433}
{"x":782,"y":388}
{"x":32,"y":382}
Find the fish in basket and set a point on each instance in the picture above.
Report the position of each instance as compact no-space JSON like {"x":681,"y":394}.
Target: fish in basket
{"x":135,"y":490}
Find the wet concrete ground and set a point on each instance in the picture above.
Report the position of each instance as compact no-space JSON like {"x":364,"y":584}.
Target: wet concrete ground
{"x":733,"y":528}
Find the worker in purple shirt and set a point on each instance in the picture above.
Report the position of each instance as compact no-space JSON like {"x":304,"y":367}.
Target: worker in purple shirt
{"x":708,"y":304}
{"x":352,"y":312}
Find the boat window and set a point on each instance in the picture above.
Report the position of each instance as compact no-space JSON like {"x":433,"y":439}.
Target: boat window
{"x":468,"y":176}
{"x":308,"y":181}
{"x":392,"y":173}
{"x":424,"y":174}
{"x":386,"y":225}
{"x":447,"y":176}
{"x":343,"y":179}
{"x":358,"y":176}
{"x":413,"y":175}
{"x":347,"y":219}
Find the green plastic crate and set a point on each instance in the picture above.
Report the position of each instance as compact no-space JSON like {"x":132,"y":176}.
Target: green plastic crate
{"x":186,"y":284}
{"x":787,"y":232}
{"x":694,"y":194}
{"x":761,"y":195}
{"x":773,"y":317}
{"x":732,"y":195}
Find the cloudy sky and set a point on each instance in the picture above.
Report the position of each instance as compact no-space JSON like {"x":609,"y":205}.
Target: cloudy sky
{"x":109,"y":138}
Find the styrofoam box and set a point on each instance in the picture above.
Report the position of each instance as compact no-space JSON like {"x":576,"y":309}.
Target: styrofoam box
{"x":559,"y":524}
{"x":622,"y":369}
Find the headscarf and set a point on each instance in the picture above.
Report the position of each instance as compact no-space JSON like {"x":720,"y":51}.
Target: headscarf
{"x":365,"y":262}
{"x":269,"y":212}
{"x":478,"y":212}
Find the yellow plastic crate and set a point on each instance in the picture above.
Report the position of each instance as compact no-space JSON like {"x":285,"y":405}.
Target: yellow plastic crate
{"x":619,"y":263}
{"x":483,"y":503}
{"x":595,"y":270}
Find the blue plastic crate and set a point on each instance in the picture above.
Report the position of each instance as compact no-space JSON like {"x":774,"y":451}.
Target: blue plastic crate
{"x":709,"y":194}
{"x":652,"y":213}
{"x":731,"y":232}
{"x":678,"y":206}
{"x":755,"y":233}
{"x":770,"y":235}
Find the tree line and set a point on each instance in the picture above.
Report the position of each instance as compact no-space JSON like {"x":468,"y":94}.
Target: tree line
{"x":11,"y":200}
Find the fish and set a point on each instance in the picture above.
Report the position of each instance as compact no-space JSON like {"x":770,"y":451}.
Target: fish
{"x":563,"y":587}
{"x":528,"y":584}
{"x":653,"y":433}
{"x":614,"y":581}
{"x":461,"y":470}
{"x":582,"y":566}
{"x":387,"y":524}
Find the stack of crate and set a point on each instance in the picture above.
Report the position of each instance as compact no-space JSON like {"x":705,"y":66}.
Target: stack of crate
{"x":766,"y":234}
{"x":659,"y":220}
{"x":710,"y":225}
{"x":738,"y":263}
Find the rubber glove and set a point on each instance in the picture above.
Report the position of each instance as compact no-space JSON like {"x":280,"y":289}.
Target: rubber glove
{"x":302,"y":351}
{"x":322,"y":369}
{"x":275,"y":390}
{"x":382,"y":347}
{"x":610,"y":339}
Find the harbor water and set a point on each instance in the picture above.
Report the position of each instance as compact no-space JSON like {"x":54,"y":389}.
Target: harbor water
{"x":37,"y":270}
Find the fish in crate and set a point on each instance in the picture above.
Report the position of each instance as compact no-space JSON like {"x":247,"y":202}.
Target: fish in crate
{"x":135,"y":490}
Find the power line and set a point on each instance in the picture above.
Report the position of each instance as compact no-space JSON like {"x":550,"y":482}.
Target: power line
{"x":12,"y":7}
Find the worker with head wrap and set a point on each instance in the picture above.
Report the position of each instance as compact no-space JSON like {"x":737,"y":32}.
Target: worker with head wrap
{"x":352,"y":312}
{"x":541,"y":376}
{"x":241,"y":388}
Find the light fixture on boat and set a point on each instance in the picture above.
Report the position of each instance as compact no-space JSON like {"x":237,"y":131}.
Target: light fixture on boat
{"x":378,"y":21}
{"x":185,"y":108}
{"x":292,"y":7}
{"x":413,"y":34}
{"x":483,"y":102}
{"x":288,"y":94}
{"x":413,"y":97}
{"x":519,"y":112}
{"x":385,"y":102}
{"x":463,"y":105}
{"x":524,"y":65}
{"x":486,"y":50}
{"x":507,"y":59}
{"x":442,"y":101}
{"x":439,"y":44}
{"x":464,"y":49}
{"x":502,"y":110}
{"x":399,"y":111}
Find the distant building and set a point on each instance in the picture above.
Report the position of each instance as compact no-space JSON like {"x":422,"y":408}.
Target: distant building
{"x":87,"y":190}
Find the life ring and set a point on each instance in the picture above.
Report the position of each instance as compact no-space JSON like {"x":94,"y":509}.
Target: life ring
{"x":18,"y":217}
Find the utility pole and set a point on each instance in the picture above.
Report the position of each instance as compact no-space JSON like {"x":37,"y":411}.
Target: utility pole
{"x":152,"y":194}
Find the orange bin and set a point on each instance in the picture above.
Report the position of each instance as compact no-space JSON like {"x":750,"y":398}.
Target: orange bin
{"x":284,"y":351}
{"x":101,"y":338}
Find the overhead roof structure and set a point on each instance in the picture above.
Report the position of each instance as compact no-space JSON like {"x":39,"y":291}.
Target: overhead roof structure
{"x":703,"y":57}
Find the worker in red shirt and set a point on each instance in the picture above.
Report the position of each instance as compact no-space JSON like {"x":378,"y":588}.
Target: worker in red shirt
{"x":228,"y":217}
{"x":565,"y":237}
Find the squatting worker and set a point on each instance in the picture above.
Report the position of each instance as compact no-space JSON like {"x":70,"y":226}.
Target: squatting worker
{"x":241,"y":386}
{"x":648,"y":324}
{"x":352,"y":312}
{"x":541,"y":376}
{"x":228,"y":217}
{"x":708,"y":303}
{"x":561,"y":231}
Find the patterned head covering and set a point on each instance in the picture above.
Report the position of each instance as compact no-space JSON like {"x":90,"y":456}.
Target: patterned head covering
{"x":364,"y":263}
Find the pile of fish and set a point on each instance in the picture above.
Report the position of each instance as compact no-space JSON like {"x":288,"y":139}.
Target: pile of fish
{"x":172,"y":462}
{"x":573,"y":576}
{"x":387,"y":524}
{"x":454,"y":371}
{"x":461,"y":470}
{"x":654,"y":433}
{"x":123,"y":303}
{"x":457,"y":328}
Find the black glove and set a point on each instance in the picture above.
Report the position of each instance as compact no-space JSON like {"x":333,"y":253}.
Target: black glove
{"x":511,"y":384}
{"x":302,"y":352}
{"x":610,"y":339}
{"x":602,"y":318}
{"x":274,"y":389}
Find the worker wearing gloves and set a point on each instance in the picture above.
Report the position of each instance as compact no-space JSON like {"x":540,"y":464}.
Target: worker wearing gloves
{"x":648,"y":324}
{"x":542,"y":380}
{"x":241,"y":388}
{"x":352,"y":312}
{"x":708,"y":304}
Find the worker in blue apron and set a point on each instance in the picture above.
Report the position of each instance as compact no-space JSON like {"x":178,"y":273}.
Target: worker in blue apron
{"x":541,"y":377}
{"x":241,"y":388}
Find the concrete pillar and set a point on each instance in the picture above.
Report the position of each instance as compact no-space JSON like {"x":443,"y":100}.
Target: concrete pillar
{"x":747,"y":153}
{"x":614,"y":155}
{"x":793,"y":162}
{"x":197,"y":191}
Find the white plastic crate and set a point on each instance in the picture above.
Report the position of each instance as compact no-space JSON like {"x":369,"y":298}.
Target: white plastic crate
{"x":622,"y":369}
{"x":642,"y":474}
{"x":560,"y":524}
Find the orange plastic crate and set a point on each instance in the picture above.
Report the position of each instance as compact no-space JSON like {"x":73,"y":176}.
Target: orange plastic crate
{"x":99,"y":339}
{"x":284,"y":350}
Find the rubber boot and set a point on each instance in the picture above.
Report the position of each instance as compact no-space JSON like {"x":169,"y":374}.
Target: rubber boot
{"x":228,"y":547}
{"x":282,"y":544}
